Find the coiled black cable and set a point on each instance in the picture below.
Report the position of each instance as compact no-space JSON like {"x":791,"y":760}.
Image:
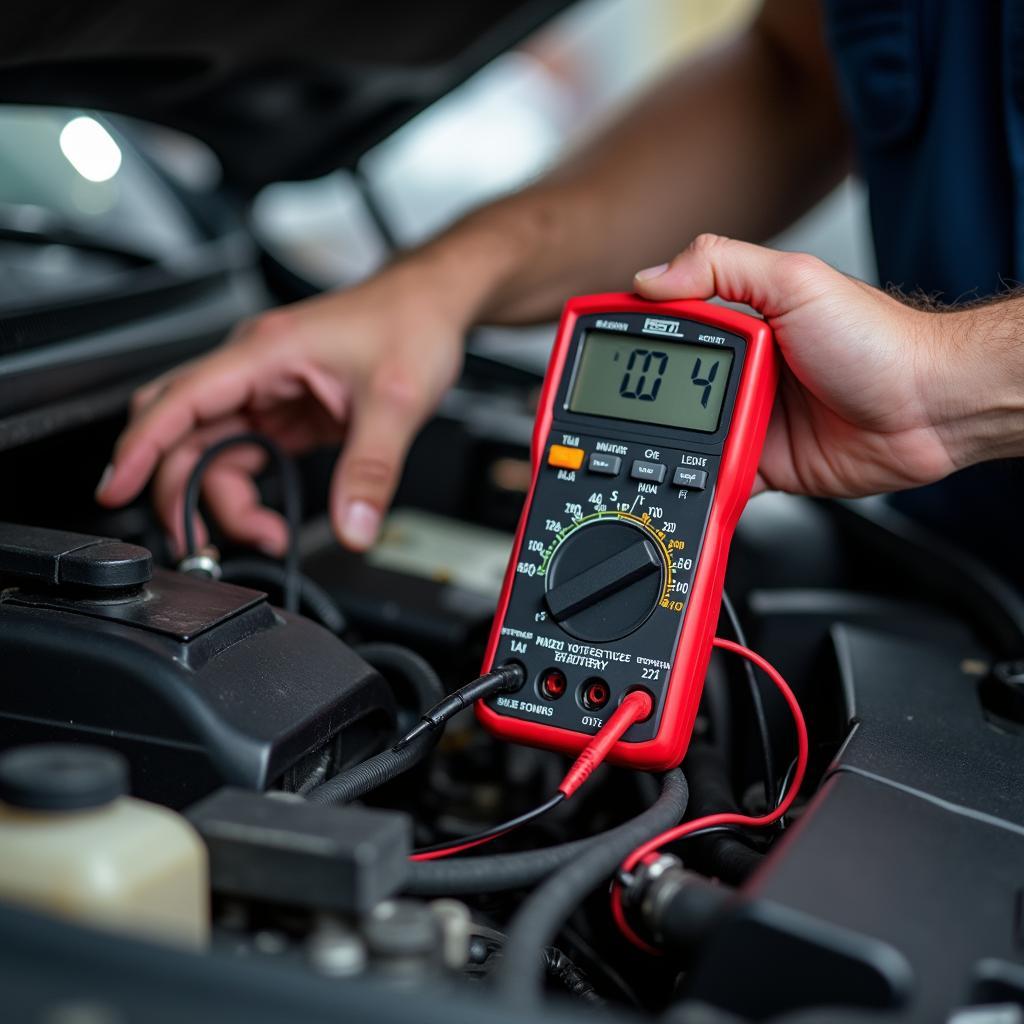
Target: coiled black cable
{"x":503,"y":871}
{"x":404,"y":668}
{"x":520,"y":974}
{"x":291,"y":487}
{"x":313,"y":599}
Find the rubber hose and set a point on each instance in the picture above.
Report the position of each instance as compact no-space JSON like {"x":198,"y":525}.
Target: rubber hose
{"x":729,"y":858}
{"x":520,"y":974}
{"x":312,"y":597}
{"x":393,"y":659}
{"x":362,"y":778}
{"x":503,"y":871}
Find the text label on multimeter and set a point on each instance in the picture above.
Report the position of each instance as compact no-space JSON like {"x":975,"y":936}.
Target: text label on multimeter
{"x":645,"y":449}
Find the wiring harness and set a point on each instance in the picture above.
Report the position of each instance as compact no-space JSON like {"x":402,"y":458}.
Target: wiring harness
{"x":563,"y":874}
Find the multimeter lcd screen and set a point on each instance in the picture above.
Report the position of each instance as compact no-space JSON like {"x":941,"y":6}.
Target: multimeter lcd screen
{"x":651,"y":380}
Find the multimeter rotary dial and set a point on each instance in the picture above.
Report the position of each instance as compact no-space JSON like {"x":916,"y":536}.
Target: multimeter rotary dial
{"x":604,"y":579}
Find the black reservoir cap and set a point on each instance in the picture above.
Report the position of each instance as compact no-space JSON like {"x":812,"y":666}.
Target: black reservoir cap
{"x":62,"y":777}
{"x":54,"y":558}
{"x":285,"y":849}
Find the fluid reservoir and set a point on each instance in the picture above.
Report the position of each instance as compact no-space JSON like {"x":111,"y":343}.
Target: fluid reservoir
{"x":73,"y":844}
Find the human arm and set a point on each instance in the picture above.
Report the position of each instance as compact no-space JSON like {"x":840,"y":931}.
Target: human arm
{"x":739,"y":140}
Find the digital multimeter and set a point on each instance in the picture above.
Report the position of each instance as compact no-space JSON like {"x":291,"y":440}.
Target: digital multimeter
{"x":645,"y":448}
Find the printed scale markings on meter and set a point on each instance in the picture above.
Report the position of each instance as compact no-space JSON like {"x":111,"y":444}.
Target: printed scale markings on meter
{"x":645,"y":448}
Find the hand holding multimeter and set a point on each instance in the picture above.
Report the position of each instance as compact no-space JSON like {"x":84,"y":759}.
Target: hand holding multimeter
{"x":645,"y":449}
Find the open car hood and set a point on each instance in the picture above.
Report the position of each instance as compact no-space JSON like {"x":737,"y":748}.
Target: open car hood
{"x":278,"y":90}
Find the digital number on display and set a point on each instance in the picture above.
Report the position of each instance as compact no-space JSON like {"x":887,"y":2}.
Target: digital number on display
{"x":679,"y":385}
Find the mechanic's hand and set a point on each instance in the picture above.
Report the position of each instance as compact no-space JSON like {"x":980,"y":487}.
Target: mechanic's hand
{"x":867,"y":399}
{"x":367,"y":365}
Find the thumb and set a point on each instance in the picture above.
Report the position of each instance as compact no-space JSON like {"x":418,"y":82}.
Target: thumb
{"x":772,"y":282}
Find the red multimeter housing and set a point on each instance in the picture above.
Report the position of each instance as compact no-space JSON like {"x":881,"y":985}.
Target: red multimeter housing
{"x":645,"y":448}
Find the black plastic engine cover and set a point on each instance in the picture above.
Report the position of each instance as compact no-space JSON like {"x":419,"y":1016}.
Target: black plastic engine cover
{"x":899,"y":887}
{"x":200,"y":684}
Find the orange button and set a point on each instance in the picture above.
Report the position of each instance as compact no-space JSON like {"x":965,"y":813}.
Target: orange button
{"x":565,"y":457}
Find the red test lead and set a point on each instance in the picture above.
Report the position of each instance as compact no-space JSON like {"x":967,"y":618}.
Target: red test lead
{"x":688,"y":828}
{"x":636,"y":707}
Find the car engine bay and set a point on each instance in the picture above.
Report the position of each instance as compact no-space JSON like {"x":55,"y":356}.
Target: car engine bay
{"x":308,"y":783}
{"x":890,"y":884}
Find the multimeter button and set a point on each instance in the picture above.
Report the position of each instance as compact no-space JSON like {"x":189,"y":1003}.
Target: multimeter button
{"x":653,"y":471}
{"x":564,"y":457}
{"x":690,"y":479}
{"x":606,"y":465}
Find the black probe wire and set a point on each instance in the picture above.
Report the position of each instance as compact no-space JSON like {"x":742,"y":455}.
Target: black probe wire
{"x":500,"y":872}
{"x":504,"y":679}
{"x":633,"y":708}
{"x":291,"y":487}
{"x":478,"y":838}
{"x":360,"y":779}
{"x":785,"y":785}
{"x":757,"y":700}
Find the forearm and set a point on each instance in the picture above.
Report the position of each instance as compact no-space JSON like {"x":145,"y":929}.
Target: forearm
{"x":738,"y":141}
{"x":972,"y":368}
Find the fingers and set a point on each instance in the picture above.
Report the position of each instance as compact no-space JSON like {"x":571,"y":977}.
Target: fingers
{"x":773,"y":282}
{"x":384,"y":423}
{"x":212,"y":390}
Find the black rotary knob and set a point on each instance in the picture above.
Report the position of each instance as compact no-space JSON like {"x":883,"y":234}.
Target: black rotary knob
{"x":604,"y":581}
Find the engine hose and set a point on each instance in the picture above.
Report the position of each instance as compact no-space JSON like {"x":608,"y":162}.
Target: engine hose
{"x":360,"y":779}
{"x":722,"y":854}
{"x":393,"y":660}
{"x":313,"y":599}
{"x":502,"y":871}
{"x":520,"y":974}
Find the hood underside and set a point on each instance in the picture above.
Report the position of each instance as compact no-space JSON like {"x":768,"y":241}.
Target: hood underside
{"x":278,"y":90}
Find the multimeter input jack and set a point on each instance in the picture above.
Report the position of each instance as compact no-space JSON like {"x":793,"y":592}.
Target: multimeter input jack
{"x":552,"y":684}
{"x":594,"y":694}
